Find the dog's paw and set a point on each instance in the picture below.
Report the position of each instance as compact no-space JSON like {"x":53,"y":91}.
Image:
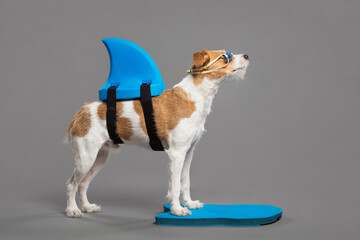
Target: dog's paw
{"x":194,"y":204}
{"x":74,"y":213}
{"x":180,"y":211}
{"x":91,"y":208}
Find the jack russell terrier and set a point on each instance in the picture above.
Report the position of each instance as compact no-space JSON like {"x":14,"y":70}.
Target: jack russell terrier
{"x":179,"y":113}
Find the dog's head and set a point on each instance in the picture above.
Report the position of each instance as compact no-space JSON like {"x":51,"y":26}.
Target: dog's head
{"x":219,"y":64}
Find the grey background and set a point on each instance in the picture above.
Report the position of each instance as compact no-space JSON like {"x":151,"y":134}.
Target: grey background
{"x":288,"y":135}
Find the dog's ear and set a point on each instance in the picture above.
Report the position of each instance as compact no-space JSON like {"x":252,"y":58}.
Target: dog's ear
{"x":201,"y":58}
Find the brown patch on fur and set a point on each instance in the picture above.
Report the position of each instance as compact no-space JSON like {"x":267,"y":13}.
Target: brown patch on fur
{"x":169,"y":108}
{"x":139,"y":111}
{"x":101,"y":111}
{"x":123,"y":125}
{"x":80,"y":124}
{"x":209,"y":56}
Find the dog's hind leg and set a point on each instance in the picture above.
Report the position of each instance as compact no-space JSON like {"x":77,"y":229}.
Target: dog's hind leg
{"x":72,"y":209}
{"x":85,"y":155}
{"x":99,"y":163}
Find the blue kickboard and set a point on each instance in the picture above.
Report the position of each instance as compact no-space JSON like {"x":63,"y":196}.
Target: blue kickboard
{"x":130,"y":67}
{"x":230,"y":215}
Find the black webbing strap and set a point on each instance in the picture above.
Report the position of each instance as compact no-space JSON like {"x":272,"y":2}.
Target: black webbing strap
{"x":147,"y":106}
{"x":111,"y":115}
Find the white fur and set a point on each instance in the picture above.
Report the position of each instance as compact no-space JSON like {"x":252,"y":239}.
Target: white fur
{"x":92,"y":151}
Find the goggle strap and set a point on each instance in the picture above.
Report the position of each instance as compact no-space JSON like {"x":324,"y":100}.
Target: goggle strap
{"x":195,"y":71}
{"x":227,"y":56}
{"x":210,"y":63}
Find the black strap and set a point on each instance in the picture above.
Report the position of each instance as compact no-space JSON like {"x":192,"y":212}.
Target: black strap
{"x":146,"y":103}
{"x":111,"y":115}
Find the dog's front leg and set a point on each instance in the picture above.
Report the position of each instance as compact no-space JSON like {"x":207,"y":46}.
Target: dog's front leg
{"x":185,"y":182}
{"x":176,"y":162}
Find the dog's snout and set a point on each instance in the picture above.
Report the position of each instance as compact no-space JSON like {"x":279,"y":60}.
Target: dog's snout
{"x":246,"y":56}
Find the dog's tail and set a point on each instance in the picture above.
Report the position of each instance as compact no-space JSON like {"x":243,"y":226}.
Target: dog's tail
{"x":67,"y":138}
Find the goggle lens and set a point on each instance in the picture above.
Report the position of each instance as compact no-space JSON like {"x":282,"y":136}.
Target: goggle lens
{"x":228,"y":56}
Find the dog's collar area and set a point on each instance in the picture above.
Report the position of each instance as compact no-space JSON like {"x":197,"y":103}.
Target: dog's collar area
{"x":228,"y":56}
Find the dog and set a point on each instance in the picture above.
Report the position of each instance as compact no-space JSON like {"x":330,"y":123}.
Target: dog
{"x":179,"y":113}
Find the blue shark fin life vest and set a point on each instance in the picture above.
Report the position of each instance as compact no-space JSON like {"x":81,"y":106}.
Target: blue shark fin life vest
{"x":130,"y":67}
{"x":133,"y":74}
